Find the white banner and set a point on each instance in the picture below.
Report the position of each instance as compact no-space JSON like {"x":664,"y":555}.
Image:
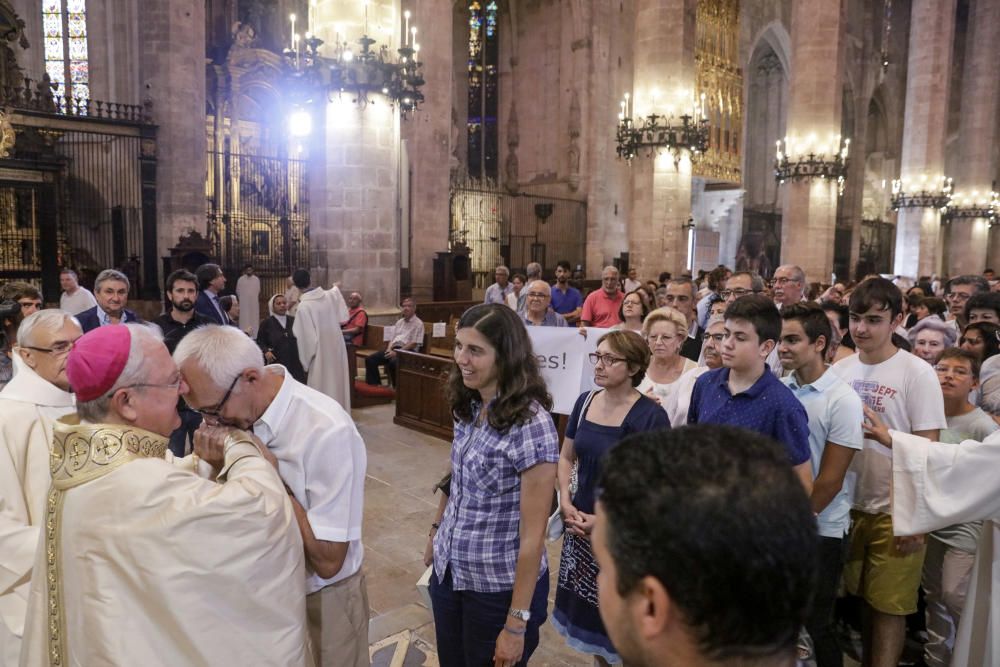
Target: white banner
{"x":562,"y":359}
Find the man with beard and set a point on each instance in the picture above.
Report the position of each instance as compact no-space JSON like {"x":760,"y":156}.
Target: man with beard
{"x":177,"y":322}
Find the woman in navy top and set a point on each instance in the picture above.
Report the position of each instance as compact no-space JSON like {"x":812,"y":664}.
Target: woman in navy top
{"x":599,"y":420}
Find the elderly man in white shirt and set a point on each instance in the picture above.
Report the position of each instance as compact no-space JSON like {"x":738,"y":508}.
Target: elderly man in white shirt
{"x":37,"y":396}
{"x":322,"y":461}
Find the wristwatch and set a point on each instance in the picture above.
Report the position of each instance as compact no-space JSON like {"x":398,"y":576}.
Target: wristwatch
{"x":520,"y":614}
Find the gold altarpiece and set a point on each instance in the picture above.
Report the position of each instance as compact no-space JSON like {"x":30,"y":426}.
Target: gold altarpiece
{"x":719,"y":78}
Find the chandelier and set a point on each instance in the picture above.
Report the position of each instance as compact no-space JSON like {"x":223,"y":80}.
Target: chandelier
{"x":975,"y":204}
{"x":924,"y":192}
{"x":362,"y":72}
{"x":809,"y":157}
{"x":675,"y":133}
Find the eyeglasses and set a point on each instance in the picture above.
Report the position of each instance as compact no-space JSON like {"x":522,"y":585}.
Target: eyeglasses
{"x":606,"y":359}
{"x":784,"y":281}
{"x":738,"y":292}
{"x":633,"y":302}
{"x":58,"y":349}
{"x":537,"y":295}
{"x":958,"y":296}
{"x":216,"y":410}
{"x":957,"y":372}
{"x":656,"y":338}
{"x":718,"y":338}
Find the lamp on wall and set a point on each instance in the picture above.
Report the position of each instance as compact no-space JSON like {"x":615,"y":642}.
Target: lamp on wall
{"x":809,"y":157}
{"x":922,"y":192}
{"x":363,"y":72}
{"x":686,"y":131}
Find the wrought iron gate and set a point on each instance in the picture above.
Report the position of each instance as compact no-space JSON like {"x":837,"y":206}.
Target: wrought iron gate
{"x":515,"y":229}
{"x":258,"y":213}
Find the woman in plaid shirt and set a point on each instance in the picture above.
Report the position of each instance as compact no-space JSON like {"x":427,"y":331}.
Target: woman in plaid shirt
{"x":490,"y":583}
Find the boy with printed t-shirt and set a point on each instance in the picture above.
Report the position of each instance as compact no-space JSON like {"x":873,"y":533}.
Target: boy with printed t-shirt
{"x":904,"y":391}
{"x":835,"y":416}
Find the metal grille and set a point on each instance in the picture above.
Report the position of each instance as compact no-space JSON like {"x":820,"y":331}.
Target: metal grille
{"x":19,"y":233}
{"x":258,"y":213}
{"x":102,"y":219}
{"x":515,"y":229}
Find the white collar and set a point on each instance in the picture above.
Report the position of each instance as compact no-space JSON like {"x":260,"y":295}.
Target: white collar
{"x":27,"y":386}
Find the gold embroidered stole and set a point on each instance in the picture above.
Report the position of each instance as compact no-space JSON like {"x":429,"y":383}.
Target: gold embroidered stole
{"x":82,"y":453}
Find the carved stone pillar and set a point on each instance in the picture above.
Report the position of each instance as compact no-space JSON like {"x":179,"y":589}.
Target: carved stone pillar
{"x":928,"y":78}
{"x":172,"y":64}
{"x":664,"y":77}
{"x":977,"y":134}
{"x":809,"y":211}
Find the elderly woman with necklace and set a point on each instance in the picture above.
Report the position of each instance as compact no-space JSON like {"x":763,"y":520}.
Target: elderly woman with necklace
{"x":665,"y":330}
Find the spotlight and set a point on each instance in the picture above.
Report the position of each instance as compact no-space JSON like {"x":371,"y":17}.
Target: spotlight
{"x":300,"y":123}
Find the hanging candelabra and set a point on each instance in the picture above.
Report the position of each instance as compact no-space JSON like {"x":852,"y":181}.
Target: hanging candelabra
{"x":922,"y":192}
{"x":809,"y":157}
{"x":677,"y":133}
{"x":975,"y":204}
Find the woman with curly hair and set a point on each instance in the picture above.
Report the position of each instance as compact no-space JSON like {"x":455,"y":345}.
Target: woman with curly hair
{"x":490,"y":584}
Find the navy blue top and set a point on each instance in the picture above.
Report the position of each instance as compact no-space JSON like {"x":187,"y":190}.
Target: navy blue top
{"x":768,"y":407}
{"x":591,"y":441}
{"x":566,"y":303}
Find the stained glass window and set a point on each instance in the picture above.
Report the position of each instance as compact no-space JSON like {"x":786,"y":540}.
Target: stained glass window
{"x":64,"y":27}
{"x":484,"y":52}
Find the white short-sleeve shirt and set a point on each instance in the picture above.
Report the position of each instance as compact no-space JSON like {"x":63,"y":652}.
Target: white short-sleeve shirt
{"x":322,"y":459}
{"x":905,"y":392}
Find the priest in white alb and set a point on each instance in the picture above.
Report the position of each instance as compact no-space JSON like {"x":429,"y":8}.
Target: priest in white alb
{"x":29,"y":405}
{"x":144,"y":562}
{"x":248,"y":293}
{"x":935,"y":485}
{"x":321,"y":345}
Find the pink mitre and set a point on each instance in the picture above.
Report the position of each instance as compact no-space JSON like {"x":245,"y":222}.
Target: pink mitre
{"x":96,"y":360}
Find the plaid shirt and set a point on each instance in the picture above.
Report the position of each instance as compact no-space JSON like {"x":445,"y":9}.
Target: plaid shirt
{"x":479,"y":534}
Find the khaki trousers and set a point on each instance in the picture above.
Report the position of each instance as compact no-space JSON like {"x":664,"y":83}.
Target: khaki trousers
{"x":338,"y":623}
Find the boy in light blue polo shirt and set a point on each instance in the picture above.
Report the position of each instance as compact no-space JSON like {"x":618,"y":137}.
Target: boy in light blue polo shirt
{"x":835,"y":416}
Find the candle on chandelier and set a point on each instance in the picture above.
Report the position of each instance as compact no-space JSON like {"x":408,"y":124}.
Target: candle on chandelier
{"x":291,"y":17}
{"x":406,"y":31}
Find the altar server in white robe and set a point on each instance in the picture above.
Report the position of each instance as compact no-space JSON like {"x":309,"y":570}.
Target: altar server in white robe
{"x":935,"y":485}
{"x":248,"y":292}
{"x":321,"y":345}
{"x":150,"y":563}
{"x":29,"y":404}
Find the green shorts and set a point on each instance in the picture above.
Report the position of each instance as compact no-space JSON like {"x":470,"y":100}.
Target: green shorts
{"x":876,"y":571}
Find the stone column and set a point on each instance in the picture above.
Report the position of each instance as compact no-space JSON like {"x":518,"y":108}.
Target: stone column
{"x":925,"y":124}
{"x":354,"y":214}
{"x":172,"y":65}
{"x":663,"y":80}
{"x":809,"y":210}
{"x":430,"y":134}
{"x":977,"y":135}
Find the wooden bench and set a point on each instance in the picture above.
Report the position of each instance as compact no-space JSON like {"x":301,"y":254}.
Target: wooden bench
{"x":443,"y":311}
{"x":421,"y":403}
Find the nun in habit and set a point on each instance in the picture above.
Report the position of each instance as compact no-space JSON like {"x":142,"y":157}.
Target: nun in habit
{"x":276,"y":339}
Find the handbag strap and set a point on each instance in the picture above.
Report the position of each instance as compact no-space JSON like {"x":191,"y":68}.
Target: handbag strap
{"x":583,"y":410}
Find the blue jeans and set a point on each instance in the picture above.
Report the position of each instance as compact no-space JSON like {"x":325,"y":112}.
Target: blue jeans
{"x":467,"y":623}
{"x":190,"y":421}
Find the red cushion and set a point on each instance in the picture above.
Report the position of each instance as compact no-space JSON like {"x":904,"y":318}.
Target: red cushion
{"x":365,"y":389}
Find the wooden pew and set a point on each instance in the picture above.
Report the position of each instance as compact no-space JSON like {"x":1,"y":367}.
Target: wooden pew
{"x":443,"y":311}
{"x":421,"y":397}
{"x":421,"y":403}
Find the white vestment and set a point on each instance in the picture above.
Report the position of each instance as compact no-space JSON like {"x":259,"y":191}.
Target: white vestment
{"x":935,"y":485}
{"x":28,"y":407}
{"x":321,"y":345}
{"x":154,"y":565}
{"x":248,"y":293}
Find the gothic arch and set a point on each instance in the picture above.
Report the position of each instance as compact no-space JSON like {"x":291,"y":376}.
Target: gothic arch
{"x":775,"y":36}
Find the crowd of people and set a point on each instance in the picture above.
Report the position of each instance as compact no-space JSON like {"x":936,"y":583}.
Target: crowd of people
{"x":191,"y":490}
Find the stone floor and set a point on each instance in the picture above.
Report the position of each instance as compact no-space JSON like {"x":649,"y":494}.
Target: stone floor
{"x":403,"y":467}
